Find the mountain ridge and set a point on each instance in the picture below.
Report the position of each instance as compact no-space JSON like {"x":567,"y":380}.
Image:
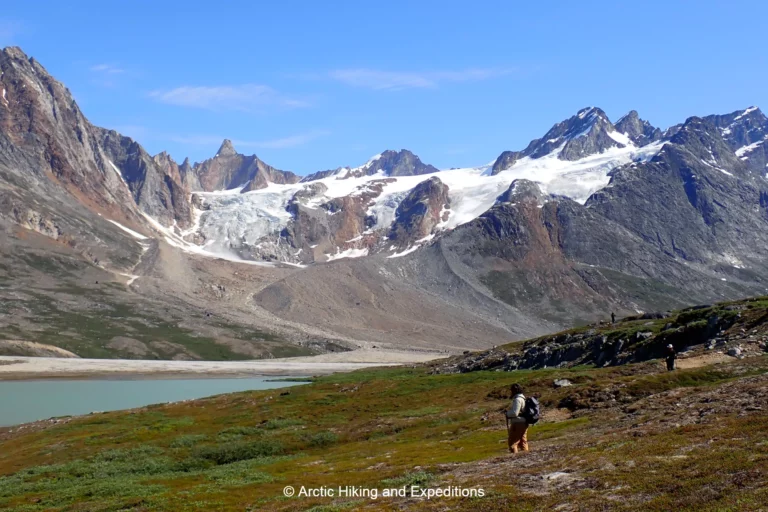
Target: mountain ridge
{"x":593,"y":216}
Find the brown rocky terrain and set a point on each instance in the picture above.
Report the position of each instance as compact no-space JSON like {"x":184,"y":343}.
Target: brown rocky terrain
{"x":229,"y":169}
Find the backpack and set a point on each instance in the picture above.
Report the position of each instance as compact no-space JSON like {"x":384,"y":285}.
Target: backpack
{"x":531,"y":411}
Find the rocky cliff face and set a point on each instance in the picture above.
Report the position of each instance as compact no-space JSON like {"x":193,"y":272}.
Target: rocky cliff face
{"x":505,"y":160}
{"x":229,"y":169}
{"x":390,"y":163}
{"x":640,"y":132}
{"x":48,"y":141}
{"x":695,"y":201}
{"x":400,"y":163}
{"x":746,"y":133}
{"x":587,"y":133}
{"x":420,"y":212}
{"x":55,"y":174}
{"x":693,"y":218}
{"x":156,"y":183}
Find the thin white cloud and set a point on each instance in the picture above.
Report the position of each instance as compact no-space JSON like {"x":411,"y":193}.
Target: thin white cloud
{"x":395,"y":80}
{"x":244,"y":98}
{"x":108,"y":69}
{"x":288,"y":142}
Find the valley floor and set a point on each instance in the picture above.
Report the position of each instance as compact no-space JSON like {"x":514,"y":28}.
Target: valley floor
{"x":17,"y":368}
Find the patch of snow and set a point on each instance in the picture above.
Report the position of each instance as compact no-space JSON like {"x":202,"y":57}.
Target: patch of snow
{"x":621,"y":138}
{"x":119,"y":174}
{"x":407,"y":251}
{"x":358,"y":237}
{"x":131,"y":278}
{"x":747,"y":111}
{"x":5,"y":99}
{"x":710,"y":164}
{"x":131,"y":232}
{"x":349,"y":253}
{"x":426,"y":238}
{"x":732,"y":260}
{"x":742,"y":151}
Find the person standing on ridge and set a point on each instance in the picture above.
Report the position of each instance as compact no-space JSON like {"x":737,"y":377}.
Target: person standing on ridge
{"x":613,"y":317}
{"x":671,"y":356}
{"x":517,"y":426}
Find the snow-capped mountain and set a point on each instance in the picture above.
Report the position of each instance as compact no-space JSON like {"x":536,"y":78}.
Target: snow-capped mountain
{"x":353,"y":212}
{"x":589,"y":215}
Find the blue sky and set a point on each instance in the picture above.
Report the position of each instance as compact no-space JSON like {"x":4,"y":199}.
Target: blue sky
{"x":315,"y":85}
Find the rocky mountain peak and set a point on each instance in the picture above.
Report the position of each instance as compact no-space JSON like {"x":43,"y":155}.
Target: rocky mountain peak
{"x":229,"y":169}
{"x":14,"y":52}
{"x":639,"y":131}
{"x":746,"y":133}
{"x":399,"y":163}
{"x":163,"y":158}
{"x":581,"y":135}
{"x":520,"y":191}
{"x":226,"y":149}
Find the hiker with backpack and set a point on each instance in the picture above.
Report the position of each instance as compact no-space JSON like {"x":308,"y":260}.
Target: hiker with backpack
{"x":522,"y":413}
{"x":670,"y":357}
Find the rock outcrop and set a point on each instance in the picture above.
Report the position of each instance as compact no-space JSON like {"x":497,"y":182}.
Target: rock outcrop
{"x":390,"y":163}
{"x":229,"y":169}
{"x":420,"y":212}
{"x":746,"y":133}
{"x":731,"y":328}
{"x":639,"y":131}
{"x":587,"y":133}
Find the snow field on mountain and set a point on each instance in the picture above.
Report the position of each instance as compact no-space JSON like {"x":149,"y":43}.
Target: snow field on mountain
{"x":235,"y":219}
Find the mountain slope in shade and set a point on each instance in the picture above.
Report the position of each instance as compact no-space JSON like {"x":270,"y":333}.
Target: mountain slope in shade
{"x":746,"y":132}
{"x":688,"y":225}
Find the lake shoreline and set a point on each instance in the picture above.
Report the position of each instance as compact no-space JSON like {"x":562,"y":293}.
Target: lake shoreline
{"x":18,"y":368}
{"x":50,"y":402}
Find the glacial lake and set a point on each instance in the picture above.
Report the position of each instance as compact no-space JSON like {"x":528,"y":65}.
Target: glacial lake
{"x":25,"y":401}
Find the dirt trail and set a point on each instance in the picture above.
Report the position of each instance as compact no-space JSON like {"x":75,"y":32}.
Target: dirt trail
{"x":702,"y":360}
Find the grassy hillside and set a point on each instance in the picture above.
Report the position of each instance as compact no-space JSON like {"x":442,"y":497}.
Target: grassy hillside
{"x":621,"y":438}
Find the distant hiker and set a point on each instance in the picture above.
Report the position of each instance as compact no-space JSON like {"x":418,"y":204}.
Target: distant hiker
{"x":523,"y":412}
{"x":613,"y":317}
{"x":671,"y":356}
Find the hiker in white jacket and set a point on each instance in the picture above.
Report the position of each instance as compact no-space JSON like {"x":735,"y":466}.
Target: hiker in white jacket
{"x":517,"y":427}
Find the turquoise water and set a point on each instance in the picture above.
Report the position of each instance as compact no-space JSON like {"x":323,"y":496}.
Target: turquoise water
{"x":25,"y":401}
